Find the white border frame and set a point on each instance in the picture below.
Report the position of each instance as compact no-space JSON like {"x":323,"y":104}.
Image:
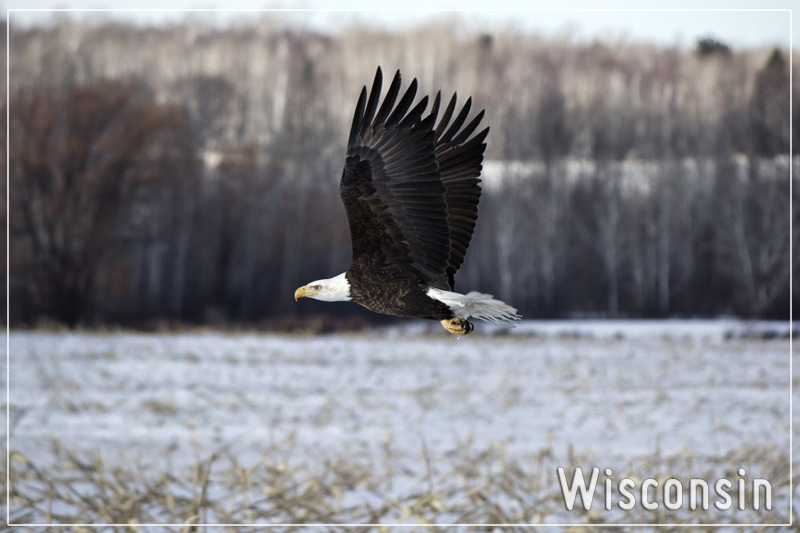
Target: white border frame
{"x":8,"y":317}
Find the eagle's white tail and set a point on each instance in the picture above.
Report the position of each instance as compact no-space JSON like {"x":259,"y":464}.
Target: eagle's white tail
{"x":478,"y":305}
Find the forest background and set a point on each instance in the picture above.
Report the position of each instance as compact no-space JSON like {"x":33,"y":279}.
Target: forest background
{"x":188,"y":173}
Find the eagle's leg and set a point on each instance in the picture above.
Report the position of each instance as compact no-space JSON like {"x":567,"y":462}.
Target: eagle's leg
{"x":457,"y":326}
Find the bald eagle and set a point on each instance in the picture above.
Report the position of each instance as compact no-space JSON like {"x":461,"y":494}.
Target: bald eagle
{"x":410,"y":188}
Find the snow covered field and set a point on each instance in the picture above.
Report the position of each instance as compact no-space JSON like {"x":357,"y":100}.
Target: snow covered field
{"x":608,"y":392}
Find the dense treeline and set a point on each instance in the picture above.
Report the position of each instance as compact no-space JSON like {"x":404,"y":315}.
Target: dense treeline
{"x":190,"y":173}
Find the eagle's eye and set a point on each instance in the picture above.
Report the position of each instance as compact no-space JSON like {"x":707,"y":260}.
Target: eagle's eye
{"x":317,"y":287}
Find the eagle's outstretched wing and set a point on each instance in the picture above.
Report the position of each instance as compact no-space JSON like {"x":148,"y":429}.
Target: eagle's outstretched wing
{"x":409,"y":186}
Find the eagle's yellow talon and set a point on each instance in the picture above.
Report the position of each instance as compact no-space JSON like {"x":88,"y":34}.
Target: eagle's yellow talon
{"x":457,"y":326}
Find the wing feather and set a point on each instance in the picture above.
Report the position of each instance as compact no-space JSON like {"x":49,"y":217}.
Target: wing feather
{"x":372,"y":105}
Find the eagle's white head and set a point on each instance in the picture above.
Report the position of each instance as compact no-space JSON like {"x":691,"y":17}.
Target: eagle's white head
{"x":335,"y":289}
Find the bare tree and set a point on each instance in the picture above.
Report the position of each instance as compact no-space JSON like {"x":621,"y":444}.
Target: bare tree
{"x":769,"y":107}
{"x":74,"y":159}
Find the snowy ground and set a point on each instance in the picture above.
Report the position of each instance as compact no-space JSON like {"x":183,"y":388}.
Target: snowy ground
{"x":613,"y":391}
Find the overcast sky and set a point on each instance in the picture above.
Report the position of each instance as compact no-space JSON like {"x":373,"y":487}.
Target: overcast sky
{"x":579,"y":19}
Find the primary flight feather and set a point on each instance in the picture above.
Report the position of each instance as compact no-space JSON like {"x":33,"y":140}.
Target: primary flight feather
{"x":410,"y":187}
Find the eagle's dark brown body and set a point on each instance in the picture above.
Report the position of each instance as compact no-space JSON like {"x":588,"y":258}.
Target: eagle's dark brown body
{"x":396,"y":297}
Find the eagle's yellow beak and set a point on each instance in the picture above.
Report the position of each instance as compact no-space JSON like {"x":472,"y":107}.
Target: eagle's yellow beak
{"x":302,"y":292}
